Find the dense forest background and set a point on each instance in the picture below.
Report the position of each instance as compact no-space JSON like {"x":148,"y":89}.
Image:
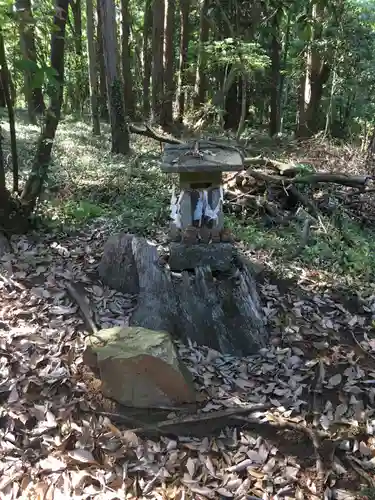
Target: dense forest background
{"x":285,"y":70}
{"x":292,"y":67}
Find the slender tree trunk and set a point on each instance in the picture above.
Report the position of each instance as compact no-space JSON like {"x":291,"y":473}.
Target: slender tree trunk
{"x":282,"y":97}
{"x":91,"y":51}
{"x":184,"y":45}
{"x":241,"y":125}
{"x":33,"y":95}
{"x":138,"y":68}
{"x":119,"y":129}
{"x":80,"y":88}
{"x":3,"y":189}
{"x":103,"y":97}
{"x":169,"y":86}
{"x":77,"y":23}
{"x":34,"y":185}
{"x":158,"y":10}
{"x":5,"y":90}
{"x":147,"y":56}
{"x":316,"y":75}
{"x":274,"y":124}
{"x":200,"y":77}
{"x":126,"y":59}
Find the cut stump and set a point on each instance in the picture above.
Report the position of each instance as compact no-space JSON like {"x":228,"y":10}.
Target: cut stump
{"x":221,"y":311}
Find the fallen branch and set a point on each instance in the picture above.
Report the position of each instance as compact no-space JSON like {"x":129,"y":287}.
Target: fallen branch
{"x":360,"y":471}
{"x":204,"y":417}
{"x":313,"y":435}
{"x":344,"y":180}
{"x":285,"y":169}
{"x":83,"y":306}
{"x":147,"y":131}
{"x":308,"y":204}
{"x":305,"y":235}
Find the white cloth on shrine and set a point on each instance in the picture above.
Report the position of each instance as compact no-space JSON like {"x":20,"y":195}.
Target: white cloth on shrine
{"x":210,"y":212}
{"x":203,"y":208}
{"x":175,"y":207}
{"x":198,"y":212}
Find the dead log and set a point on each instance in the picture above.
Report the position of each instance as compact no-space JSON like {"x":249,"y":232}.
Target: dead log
{"x":341,"y":179}
{"x":285,"y":169}
{"x":221,"y":311}
{"x":147,"y":131}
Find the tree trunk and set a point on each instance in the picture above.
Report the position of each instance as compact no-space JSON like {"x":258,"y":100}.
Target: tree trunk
{"x":33,"y":93}
{"x":233,"y":105}
{"x":126,"y":59}
{"x":119,"y":129}
{"x":274,"y":124}
{"x":34,"y":185}
{"x":316,"y":75}
{"x":5,"y":90}
{"x":103,"y":97}
{"x":79,"y":90}
{"x":91,"y":51}
{"x":223,"y":313}
{"x":184,"y":45}
{"x":158,"y":11}
{"x":169,"y":86}
{"x":241,"y":125}
{"x":147,"y":56}
{"x":77,"y":23}
{"x":200,"y":78}
{"x":283,"y":92}
{"x":2,"y":167}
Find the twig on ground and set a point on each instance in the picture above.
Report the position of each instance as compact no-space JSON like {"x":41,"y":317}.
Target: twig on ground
{"x":360,"y":346}
{"x":361,"y":472}
{"x":202,"y":417}
{"x":305,"y":235}
{"x":83,"y":306}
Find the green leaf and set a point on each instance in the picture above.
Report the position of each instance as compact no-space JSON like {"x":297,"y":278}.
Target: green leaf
{"x":26,"y":65}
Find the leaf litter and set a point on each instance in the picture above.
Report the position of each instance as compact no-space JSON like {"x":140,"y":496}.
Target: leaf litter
{"x":316,"y":440}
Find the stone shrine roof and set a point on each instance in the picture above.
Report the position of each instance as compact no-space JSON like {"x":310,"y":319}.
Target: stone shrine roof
{"x":202,"y":156}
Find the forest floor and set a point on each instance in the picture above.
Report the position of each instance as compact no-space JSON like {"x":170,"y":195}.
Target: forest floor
{"x":58,"y":438}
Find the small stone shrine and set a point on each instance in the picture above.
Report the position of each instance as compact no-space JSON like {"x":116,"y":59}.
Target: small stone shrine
{"x":197,"y":233}
{"x":204,"y":290}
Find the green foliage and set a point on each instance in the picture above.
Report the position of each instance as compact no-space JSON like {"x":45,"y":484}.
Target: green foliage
{"x":82,"y":211}
{"x":247,"y":55}
{"x":327,"y":250}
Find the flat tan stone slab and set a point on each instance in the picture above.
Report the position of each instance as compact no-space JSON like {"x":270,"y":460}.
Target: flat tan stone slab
{"x":139,"y":367}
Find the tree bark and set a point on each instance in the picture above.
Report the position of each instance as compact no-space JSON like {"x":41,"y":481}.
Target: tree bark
{"x":169,"y":86}
{"x":34,"y":185}
{"x":119,"y":129}
{"x":316,"y":75}
{"x":274,"y":124}
{"x":33,"y":93}
{"x":77,"y":23}
{"x":184,"y":45}
{"x":126,"y":60}
{"x":158,"y":11}
{"x":103,"y":97}
{"x":223,"y":313}
{"x":147,"y":56}
{"x":2,"y":167}
{"x":91,"y":51}
{"x":200,"y":78}
{"x":5,"y":90}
